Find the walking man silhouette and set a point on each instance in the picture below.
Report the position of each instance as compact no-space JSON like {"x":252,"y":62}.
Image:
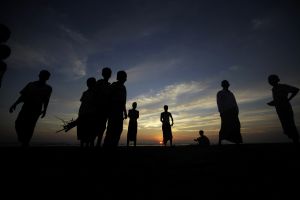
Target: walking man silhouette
{"x":35,"y":98}
{"x":281,"y":101}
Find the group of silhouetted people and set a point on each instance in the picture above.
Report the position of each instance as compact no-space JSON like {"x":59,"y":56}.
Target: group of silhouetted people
{"x":103,"y":107}
{"x":230,"y":124}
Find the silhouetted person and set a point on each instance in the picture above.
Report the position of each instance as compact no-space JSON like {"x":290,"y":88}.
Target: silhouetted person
{"x":203,"y":139}
{"x":166,"y":126}
{"x":102,"y":100}
{"x":35,"y":97}
{"x":4,"y":49}
{"x":229,"y":112}
{"x":117,"y":111}
{"x":87,"y":118}
{"x":133,"y":115}
{"x":281,"y":101}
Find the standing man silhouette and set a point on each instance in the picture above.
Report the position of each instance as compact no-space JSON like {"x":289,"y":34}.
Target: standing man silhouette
{"x":166,"y":126}
{"x":281,"y":101}
{"x":133,"y":115}
{"x":117,"y":111}
{"x":229,"y":112}
{"x":102,"y":103}
{"x":35,"y":97}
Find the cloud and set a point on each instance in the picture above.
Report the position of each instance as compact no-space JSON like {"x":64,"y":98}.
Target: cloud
{"x":74,"y":35}
{"x":64,"y":55}
{"x":25,"y":55}
{"x":151,"y":68}
{"x":170,"y":94}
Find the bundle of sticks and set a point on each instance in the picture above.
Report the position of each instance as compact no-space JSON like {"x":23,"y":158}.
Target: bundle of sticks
{"x":67,"y":125}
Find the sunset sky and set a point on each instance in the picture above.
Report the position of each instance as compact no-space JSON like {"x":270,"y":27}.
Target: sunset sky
{"x":174,"y":52}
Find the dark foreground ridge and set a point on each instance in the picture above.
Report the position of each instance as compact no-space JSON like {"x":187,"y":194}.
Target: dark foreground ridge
{"x":183,"y":172}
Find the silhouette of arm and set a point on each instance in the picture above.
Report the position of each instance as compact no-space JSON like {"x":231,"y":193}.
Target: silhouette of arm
{"x":43,"y":113}
{"x":161,"y":117}
{"x":19,"y":100}
{"x":293,"y":92}
{"x":23,"y":93}
{"x":45,"y":105}
{"x":172,"y":119}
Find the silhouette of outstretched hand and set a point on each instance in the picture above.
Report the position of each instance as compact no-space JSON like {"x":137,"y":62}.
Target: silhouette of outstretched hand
{"x":12,"y":108}
{"x":271,"y":103}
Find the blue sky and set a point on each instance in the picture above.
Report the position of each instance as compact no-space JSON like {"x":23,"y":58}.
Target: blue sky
{"x":174,"y":52}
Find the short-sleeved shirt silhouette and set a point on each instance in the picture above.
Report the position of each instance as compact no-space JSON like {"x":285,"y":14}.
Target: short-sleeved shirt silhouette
{"x":281,"y":92}
{"x":35,"y":94}
{"x":102,"y":96}
{"x":117,"y":99}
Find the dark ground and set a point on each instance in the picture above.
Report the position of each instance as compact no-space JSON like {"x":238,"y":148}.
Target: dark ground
{"x":249,"y":171}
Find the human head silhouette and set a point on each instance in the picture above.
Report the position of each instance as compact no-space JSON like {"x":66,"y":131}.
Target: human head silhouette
{"x":44,"y":75}
{"x":166,"y":107}
{"x":122,"y":76}
{"x":273,"y":79}
{"x":201,"y":132}
{"x":134,"y":104}
{"x":106,"y":73}
{"x":225,"y":84}
{"x":91,"y":82}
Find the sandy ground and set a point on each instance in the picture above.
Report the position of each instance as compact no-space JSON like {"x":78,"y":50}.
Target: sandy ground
{"x":248,"y":171}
